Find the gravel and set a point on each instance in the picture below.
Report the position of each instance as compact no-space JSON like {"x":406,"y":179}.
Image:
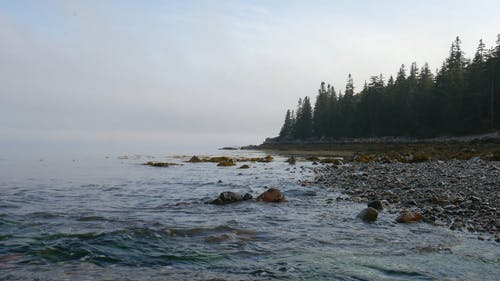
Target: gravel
{"x":462,"y":195}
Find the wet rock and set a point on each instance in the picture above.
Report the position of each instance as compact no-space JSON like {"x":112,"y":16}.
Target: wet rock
{"x":409,"y":217}
{"x":160,"y":164}
{"x":334,"y":161}
{"x":195,"y":159}
{"x":368,"y":215}
{"x":244,"y":166}
{"x":272,"y":195}
{"x":226,"y":163}
{"x":291,"y":160}
{"x":228,"y":197}
{"x":379,"y":205}
{"x":312,"y":158}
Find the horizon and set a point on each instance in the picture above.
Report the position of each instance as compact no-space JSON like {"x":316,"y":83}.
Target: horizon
{"x":128,"y":77}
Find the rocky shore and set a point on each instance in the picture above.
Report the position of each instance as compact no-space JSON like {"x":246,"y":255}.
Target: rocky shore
{"x":462,"y":195}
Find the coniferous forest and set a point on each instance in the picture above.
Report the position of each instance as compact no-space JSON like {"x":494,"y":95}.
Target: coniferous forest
{"x":462,"y":97}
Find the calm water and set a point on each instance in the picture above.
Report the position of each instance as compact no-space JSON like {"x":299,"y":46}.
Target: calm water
{"x":114,"y":219}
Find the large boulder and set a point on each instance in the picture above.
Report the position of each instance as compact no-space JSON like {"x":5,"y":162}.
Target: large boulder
{"x":272,"y":195}
{"x":228,"y":197}
{"x":409,"y":217}
{"x":368,"y":215}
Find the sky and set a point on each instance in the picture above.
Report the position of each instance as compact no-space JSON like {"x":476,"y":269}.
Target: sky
{"x":167,"y":76}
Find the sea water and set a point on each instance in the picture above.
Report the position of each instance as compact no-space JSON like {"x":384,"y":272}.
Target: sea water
{"x":108,"y":217}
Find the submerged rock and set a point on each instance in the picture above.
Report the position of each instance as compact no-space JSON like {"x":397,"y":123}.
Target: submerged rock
{"x":272,"y":195}
{"x":228,"y":197}
{"x":368,"y":215}
{"x":409,"y":217}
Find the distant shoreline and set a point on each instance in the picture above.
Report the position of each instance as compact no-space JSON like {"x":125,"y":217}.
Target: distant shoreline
{"x":441,"y":148}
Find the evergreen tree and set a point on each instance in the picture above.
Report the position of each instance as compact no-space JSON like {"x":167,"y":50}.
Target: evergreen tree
{"x":287,"y":128}
{"x":303,"y":124}
{"x":462,"y":98}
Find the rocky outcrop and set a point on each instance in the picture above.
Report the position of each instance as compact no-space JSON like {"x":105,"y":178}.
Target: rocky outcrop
{"x":272,"y":195}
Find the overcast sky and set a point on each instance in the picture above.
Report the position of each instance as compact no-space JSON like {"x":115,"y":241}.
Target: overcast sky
{"x":154,"y":76}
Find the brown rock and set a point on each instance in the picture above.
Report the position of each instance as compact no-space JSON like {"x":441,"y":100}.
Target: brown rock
{"x":368,"y":215}
{"x":409,"y":217}
{"x":272,"y":195}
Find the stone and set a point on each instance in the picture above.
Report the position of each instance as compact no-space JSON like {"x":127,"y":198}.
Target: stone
{"x":409,"y":217}
{"x":195,"y":159}
{"x":227,"y":163}
{"x":228,"y":197}
{"x":160,"y":164}
{"x":368,"y":215}
{"x":378,"y":204}
{"x":272,"y":195}
{"x":244,"y":166}
{"x":291,"y":160}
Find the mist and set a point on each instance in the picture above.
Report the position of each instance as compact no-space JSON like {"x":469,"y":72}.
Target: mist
{"x":120,"y":77}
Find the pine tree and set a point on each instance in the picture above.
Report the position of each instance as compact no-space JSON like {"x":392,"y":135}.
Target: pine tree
{"x":287,"y":128}
{"x":303,"y":125}
{"x":320,"y":115}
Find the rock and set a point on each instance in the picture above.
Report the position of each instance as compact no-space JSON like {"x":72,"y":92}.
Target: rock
{"x":228,"y":148}
{"x":291,"y":160}
{"x":226,"y":163}
{"x":228,"y":197}
{"x":368,"y":215}
{"x":312,"y":158}
{"x":334,"y":161}
{"x":244,"y":166}
{"x":272,"y":195}
{"x":378,"y":204}
{"x":195,"y":159}
{"x":160,"y":164}
{"x":409,"y":217}
{"x":266,"y":159}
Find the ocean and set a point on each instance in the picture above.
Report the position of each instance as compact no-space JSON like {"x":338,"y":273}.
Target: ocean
{"x":109,"y":217}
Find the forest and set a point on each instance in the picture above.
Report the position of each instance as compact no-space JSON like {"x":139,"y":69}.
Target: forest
{"x":460,"y":98}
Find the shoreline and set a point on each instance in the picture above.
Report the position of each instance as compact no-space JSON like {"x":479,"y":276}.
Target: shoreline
{"x":460,"y":195}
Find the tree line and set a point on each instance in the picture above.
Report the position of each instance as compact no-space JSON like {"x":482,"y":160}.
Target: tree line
{"x":462,"y":97}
